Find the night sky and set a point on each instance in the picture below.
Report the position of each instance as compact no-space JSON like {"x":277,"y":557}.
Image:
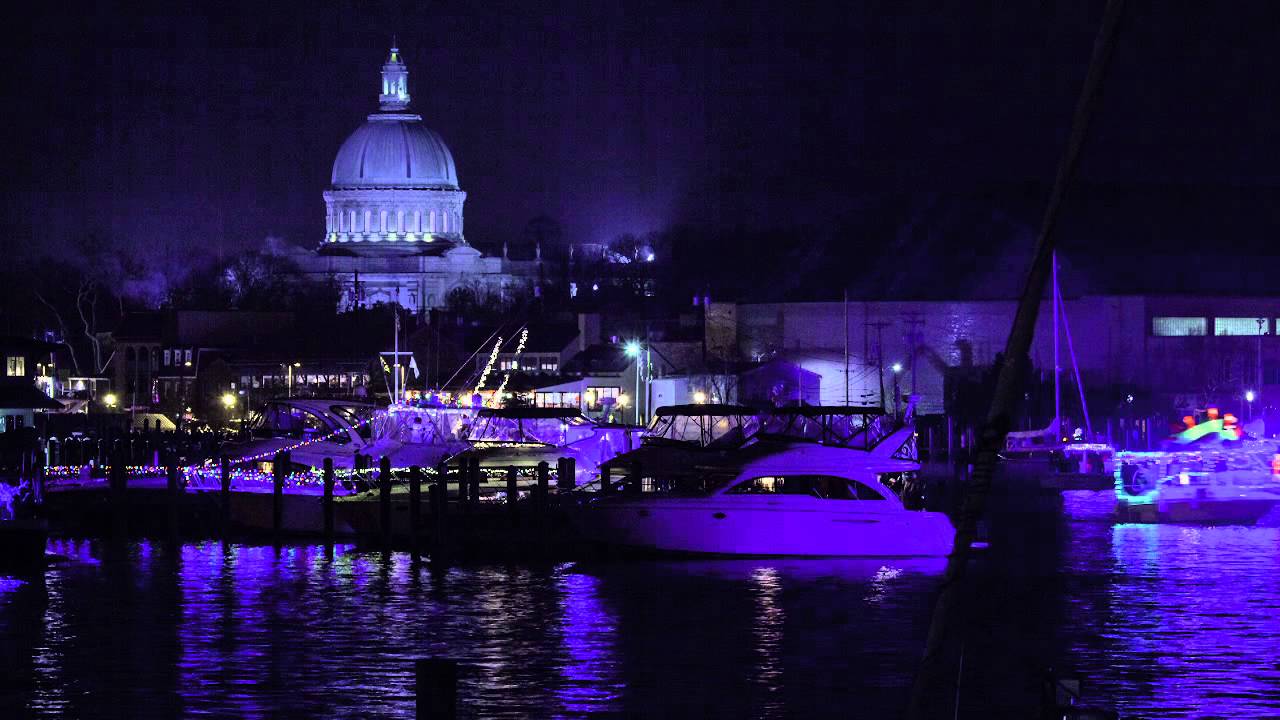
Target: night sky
{"x":199,"y":133}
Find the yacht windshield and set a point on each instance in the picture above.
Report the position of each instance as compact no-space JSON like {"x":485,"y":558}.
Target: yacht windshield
{"x":358,"y":416}
{"x":711,"y":431}
{"x":546,"y":430}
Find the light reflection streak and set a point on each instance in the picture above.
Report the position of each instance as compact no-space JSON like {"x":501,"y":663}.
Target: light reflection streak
{"x":767,"y":630}
{"x":588,"y":634}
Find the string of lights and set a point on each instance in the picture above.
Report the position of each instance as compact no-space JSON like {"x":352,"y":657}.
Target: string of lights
{"x":497,"y":396}
{"x":488,"y":367}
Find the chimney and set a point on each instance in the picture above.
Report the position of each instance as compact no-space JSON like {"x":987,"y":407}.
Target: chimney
{"x":588,"y":330}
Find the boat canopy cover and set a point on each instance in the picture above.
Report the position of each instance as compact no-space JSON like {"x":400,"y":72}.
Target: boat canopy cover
{"x":535,"y":413}
{"x":817,"y":410}
{"x":703,"y":409}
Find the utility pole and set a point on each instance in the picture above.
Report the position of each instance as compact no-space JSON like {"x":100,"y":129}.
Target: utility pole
{"x":915,"y":322}
{"x":846,"y":347}
{"x":880,"y":326}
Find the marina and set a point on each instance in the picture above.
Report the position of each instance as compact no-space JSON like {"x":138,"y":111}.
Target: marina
{"x":616,"y":361}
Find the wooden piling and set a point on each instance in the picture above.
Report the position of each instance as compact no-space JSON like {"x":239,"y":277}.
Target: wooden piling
{"x":173,"y":497}
{"x":438,"y":496}
{"x":278,"y":464}
{"x":461,"y":470}
{"x":118,"y":482}
{"x":636,"y":485}
{"x":606,"y":471}
{"x":513,"y":492}
{"x":415,"y":508}
{"x":327,"y":502}
{"x":384,"y":500}
{"x":566,"y":474}
{"x":474,"y":480}
{"x":436,"y":689}
{"x":544,"y":487}
{"x":224,"y":495}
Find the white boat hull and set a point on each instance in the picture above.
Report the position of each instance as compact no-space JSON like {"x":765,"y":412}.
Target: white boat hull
{"x":760,"y":526}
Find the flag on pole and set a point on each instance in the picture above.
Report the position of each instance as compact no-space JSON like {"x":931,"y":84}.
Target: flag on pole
{"x":413,"y":365}
{"x":385,"y":367}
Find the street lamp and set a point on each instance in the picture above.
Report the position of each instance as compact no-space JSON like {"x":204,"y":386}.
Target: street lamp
{"x":632,"y":350}
{"x":289,"y":383}
{"x":699,"y":397}
{"x":897,"y":370}
{"x":1249,"y":397}
{"x":228,"y":400}
{"x":110,"y":400}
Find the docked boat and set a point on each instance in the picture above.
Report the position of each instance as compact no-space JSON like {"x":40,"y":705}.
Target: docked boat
{"x":683,"y":436}
{"x":502,"y":438}
{"x":1210,"y":473}
{"x":523,"y":437}
{"x":813,"y":482}
{"x":1050,"y":456}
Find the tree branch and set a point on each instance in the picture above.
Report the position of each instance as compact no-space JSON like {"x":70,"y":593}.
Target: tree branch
{"x":63,"y":325}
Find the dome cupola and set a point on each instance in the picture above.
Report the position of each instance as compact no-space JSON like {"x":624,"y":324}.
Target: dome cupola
{"x":394,"y":180}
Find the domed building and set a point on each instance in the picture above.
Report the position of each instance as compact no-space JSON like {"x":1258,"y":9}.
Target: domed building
{"x":394,"y":214}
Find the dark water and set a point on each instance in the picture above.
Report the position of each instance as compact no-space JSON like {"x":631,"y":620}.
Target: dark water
{"x":1163,"y":621}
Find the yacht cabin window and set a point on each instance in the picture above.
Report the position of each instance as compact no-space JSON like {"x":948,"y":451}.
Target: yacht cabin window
{"x":827,"y":487}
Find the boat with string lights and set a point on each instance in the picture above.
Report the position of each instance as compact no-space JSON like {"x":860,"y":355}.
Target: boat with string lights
{"x":500,"y":439}
{"x":1213,"y":472}
{"x":311,"y":431}
{"x":815,"y":481}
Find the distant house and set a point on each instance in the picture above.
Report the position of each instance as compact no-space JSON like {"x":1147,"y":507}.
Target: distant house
{"x":603,"y":385}
{"x":19,"y":402}
{"x":28,"y":382}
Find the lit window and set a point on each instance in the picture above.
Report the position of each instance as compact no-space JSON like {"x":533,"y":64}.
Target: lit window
{"x":1179,"y":326}
{"x":16,"y":366}
{"x":166,"y":357}
{"x":1240,"y":326}
{"x":549,"y":366}
{"x":596,"y":394}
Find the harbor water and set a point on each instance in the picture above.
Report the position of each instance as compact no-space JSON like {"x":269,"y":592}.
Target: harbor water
{"x":1161,"y":621}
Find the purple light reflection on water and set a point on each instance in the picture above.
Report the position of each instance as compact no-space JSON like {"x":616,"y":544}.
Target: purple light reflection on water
{"x":587,"y":629}
{"x":1187,"y":623}
{"x":1161,"y":621}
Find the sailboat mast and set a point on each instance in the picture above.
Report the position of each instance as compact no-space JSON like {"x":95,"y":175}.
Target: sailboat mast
{"x":1075,"y":364}
{"x":1057,"y":365}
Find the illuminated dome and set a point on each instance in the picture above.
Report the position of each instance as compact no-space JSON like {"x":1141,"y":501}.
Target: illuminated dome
{"x":394,"y":184}
{"x":394,"y":150}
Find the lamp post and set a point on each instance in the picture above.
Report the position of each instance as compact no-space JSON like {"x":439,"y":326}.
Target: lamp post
{"x":229,"y":403}
{"x":632,"y":349}
{"x":897,"y":370}
{"x":289,"y":373}
{"x":1249,"y":398}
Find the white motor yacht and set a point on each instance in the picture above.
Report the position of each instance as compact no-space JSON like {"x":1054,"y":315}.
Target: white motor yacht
{"x":827,"y":482}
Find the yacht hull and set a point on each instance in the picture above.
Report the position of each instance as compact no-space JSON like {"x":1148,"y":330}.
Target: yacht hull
{"x":1198,"y":512}
{"x":714,"y":526}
